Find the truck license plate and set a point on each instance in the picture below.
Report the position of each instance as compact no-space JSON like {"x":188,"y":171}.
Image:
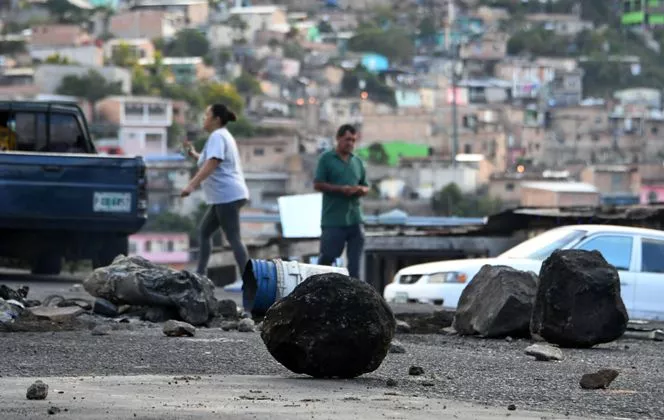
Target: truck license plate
{"x":109,"y":202}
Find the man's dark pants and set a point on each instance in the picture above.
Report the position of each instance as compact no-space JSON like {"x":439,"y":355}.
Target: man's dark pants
{"x":332,"y":243}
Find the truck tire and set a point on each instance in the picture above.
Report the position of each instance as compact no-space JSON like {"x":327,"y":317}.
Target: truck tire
{"x":47,"y":265}
{"x":111,"y":248}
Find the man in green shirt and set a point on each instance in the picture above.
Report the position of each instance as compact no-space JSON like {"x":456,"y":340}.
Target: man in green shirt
{"x":341,"y":177}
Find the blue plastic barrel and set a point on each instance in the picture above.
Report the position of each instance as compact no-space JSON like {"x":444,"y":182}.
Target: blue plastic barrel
{"x":259,"y":289}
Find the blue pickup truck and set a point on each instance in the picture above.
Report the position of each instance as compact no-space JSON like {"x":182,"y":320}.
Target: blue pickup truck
{"x":59,"y":199}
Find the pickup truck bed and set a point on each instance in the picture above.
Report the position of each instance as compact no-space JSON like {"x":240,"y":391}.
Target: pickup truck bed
{"x":73,"y":204}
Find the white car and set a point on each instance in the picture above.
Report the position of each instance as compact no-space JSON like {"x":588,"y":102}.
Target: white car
{"x":637,"y":253}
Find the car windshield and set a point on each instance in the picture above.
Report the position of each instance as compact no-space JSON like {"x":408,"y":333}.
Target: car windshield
{"x":541,"y":246}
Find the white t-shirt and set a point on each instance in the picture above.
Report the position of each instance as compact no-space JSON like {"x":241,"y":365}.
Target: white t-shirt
{"x":226,"y":184}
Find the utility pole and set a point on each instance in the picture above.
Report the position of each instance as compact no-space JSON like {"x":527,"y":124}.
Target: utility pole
{"x":451,"y":17}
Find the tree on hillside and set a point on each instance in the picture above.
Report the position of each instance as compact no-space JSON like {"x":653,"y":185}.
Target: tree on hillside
{"x":451,"y":201}
{"x":246,"y":84}
{"x":394,"y":44}
{"x":188,"y":43}
{"x":92,"y":86}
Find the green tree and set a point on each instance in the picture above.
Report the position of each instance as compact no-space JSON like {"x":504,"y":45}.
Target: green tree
{"x":324,"y":27}
{"x":451,"y":201}
{"x":393,"y":43}
{"x":123,"y":56}
{"x":225,"y":93}
{"x":188,"y":43}
{"x":427,"y":27}
{"x":378,"y":155}
{"x":57,"y":59}
{"x":246,"y":84}
{"x":91,"y":86}
{"x":293,"y":50}
{"x":377,"y":90}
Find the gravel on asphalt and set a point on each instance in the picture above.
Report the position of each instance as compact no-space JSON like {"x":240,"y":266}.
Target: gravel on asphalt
{"x":490,"y":372}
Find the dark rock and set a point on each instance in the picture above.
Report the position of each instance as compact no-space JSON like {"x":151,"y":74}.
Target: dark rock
{"x":416,"y":371}
{"x":19,"y":295}
{"x":104,"y":307}
{"x":246,"y":325}
{"x":227,"y":308}
{"x":396,"y":347}
{"x":496,"y":303}
{"x":391,"y":383}
{"x":37,"y":391}
{"x":511,"y":407}
{"x":160,"y":314}
{"x":331,"y":325}
{"x":53,"y":410}
{"x":598,"y":380}
{"x":578,"y":301}
{"x":179,"y":329}
{"x":136,"y":281}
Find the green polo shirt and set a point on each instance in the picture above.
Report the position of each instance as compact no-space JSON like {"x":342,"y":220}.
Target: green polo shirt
{"x":338,"y":209}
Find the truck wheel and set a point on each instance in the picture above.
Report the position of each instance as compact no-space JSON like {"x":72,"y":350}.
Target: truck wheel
{"x":47,"y":265}
{"x":111,"y":248}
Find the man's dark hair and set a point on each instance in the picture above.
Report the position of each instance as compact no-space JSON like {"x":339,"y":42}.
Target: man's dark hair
{"x":346,"y":128}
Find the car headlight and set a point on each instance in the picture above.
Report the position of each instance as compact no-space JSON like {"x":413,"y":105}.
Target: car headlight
{"x":450,"y":277}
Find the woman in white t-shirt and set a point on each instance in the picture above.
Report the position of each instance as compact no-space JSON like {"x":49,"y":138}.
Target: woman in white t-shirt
{"x":220,"y":175}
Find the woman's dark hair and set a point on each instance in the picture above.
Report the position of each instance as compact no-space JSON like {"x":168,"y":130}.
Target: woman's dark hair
{"x":224,"y":114}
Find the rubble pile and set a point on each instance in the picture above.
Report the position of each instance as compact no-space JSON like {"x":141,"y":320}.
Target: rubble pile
{"x":330,"y":326}
{"x":164,"y":293}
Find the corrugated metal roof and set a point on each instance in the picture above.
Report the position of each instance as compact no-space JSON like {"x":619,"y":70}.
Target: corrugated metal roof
{"x":572,"y":187}
{"x":421,"y":221}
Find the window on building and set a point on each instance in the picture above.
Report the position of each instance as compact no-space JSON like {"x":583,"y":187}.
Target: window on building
{"x":66,"y":135}
{"x":467,"y":148}
{"x":259,"y":151}
{"x":134,"y":109}
{"x":170,"y":246}
{"x":509,"y":187}
{"x":148,"y":246}
{"x":278,"y":150}
{"x":652,"y":256}
{"x":616,"y":250}
{"x":158,"y":110}
{"x":133,"y":248}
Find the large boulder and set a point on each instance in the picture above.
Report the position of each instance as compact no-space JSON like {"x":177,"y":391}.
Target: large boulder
{"x":330,"y":326}
{"x":578,"y":301}
{"x":137,"y":281}
{"x":498,"y":302}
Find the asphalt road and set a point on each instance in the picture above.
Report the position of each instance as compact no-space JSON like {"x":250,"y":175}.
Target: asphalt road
{"x":491,"y":373}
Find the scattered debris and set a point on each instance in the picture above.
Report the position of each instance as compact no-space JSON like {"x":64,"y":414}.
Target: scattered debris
{"x":246,"y":325}
{"x":416,"y":371}
{"x":10,"y":310}
{"x":544,"y":352}
{"x":230,"y":325}
{"x":578,"y":301}
{"x":511,"y":407}
{"x":37,"y":391}
{"x":655,"y":335}
{"x":396,"y":347}
{"x":174,"y":328}
{"x":448,"y":331}
{"x":497,"y":302}
{"x":331,"y":325}
{"x":104,"y":307}
{"x":391,"y":382}
{"x":55,"y":313}
{"x":101,"y":329}
{"x":598,"y":380}
{"x":53,"y":410}
{"x":159,"y":314}
{"x":426,"y":322}
{"x":136,"y":281}
{"x":402,"y":326}
{"x":227,"y":308}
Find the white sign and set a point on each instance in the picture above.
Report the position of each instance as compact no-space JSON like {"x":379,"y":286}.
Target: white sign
{"x":111,"y":202}
{"x":300,"y":215}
